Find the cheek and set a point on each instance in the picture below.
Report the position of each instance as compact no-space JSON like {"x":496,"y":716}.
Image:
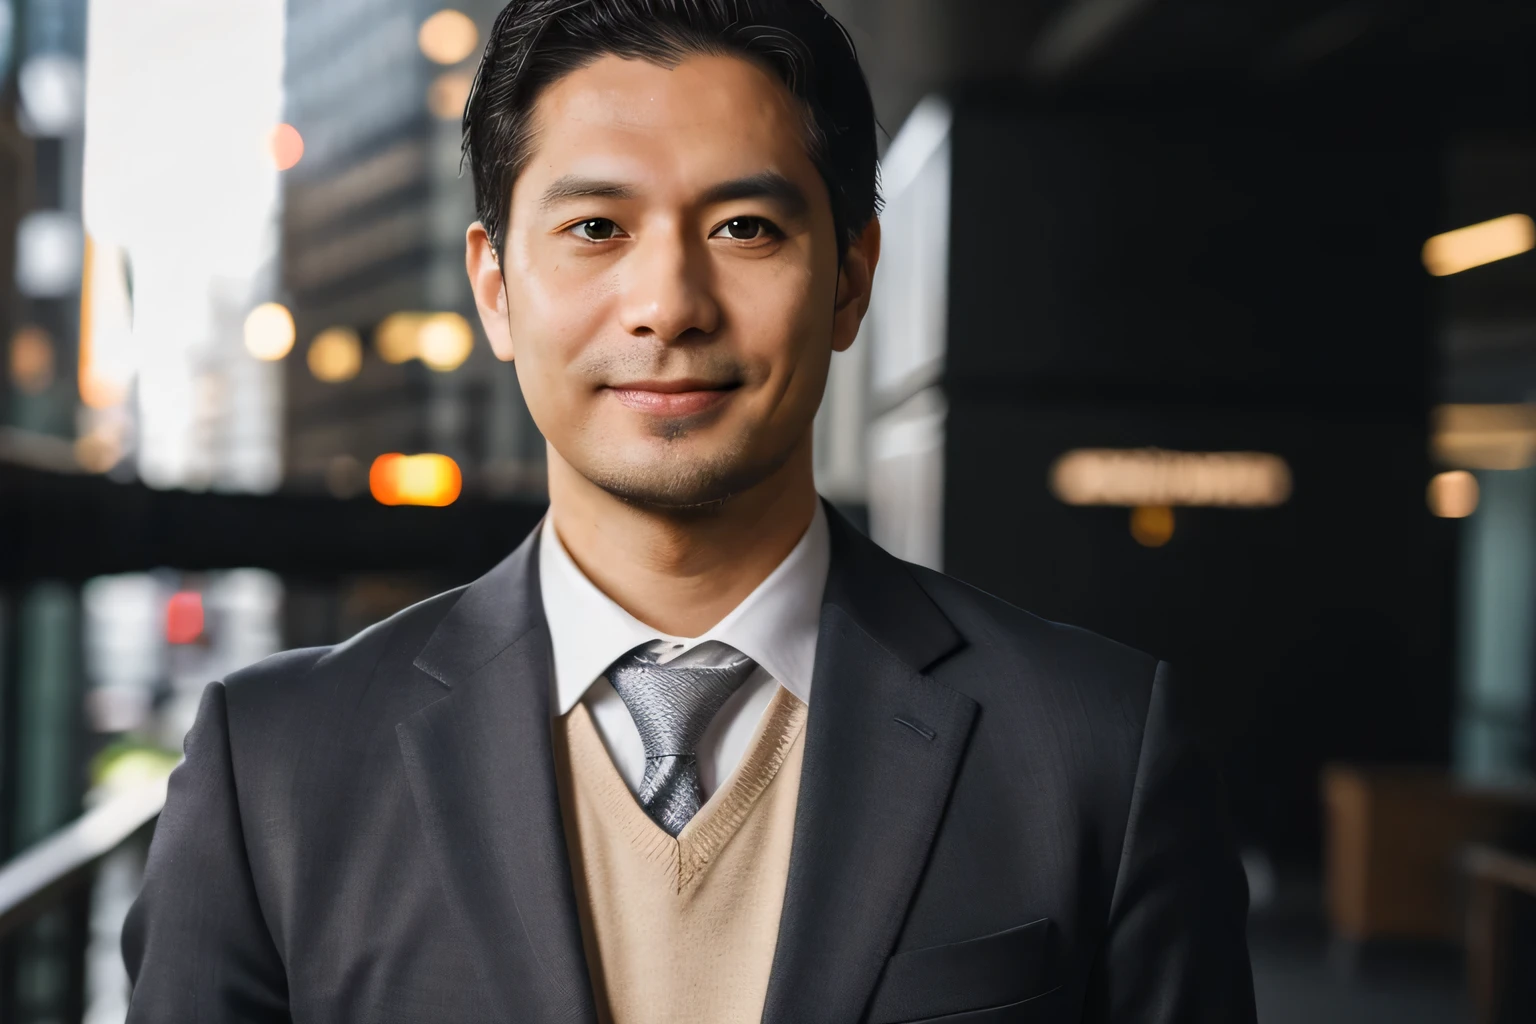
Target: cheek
{"x":778,"y":313}
{"x":554,"y":309}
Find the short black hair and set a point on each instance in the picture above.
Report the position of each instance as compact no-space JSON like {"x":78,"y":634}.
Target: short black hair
{"x":534,"y":43}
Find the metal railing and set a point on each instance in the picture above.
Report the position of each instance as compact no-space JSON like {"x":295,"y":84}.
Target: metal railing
{"x":41,"y":877}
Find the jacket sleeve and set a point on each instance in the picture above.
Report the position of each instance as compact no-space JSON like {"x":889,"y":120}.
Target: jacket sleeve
{"x":195,"y":943}
{"x":1176,"y":951}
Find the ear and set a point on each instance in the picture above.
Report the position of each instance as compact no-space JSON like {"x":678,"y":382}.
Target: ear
{"x":490,"y":291}
{"x":854,"y":281}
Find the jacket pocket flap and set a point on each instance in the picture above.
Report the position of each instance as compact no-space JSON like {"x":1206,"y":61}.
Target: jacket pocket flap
{"x":993,"y":970}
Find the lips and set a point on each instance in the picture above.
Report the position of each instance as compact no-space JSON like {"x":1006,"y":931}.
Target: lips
{"x":685,"y":397}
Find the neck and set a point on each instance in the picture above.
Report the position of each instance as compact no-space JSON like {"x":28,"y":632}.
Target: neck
{"x":681,"y":573}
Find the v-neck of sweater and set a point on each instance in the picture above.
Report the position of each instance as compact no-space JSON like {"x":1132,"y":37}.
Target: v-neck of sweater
{"x":682,"y":861}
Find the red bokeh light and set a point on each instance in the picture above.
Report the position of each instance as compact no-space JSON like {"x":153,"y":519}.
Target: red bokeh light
{"x":184,"y":617}
{"x":287,"y":146}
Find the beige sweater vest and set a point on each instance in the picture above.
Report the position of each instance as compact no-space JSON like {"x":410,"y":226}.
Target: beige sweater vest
{"x":681,"y":931}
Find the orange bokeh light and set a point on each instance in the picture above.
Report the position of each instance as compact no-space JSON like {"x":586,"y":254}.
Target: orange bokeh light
{"x":1453,"y":495}
{"x":432,"y":480}
{"x":287,"y":146}
{"x":1152,"y":525}
{"x":184,"y":617}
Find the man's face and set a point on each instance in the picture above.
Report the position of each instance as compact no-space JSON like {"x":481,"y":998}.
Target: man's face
{"x":671,"y":278}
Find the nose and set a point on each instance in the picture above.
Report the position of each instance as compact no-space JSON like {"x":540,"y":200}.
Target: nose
{"x":666,"y":290}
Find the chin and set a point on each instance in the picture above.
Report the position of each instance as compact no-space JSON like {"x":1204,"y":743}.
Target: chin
{"x":681,"y":481}
{"x":671,"y":488}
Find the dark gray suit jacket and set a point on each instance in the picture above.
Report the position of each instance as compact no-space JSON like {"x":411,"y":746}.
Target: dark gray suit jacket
{"x":1001,"y":821}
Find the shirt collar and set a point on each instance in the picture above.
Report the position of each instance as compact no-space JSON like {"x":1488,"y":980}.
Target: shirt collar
{"x":776,"y":625}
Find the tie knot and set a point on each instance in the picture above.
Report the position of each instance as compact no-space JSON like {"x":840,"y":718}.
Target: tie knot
{"x":673,"y":701}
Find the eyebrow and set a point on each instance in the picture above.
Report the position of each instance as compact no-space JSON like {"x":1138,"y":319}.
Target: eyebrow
{"x":769,"y":185}
{"x":574,"y":186}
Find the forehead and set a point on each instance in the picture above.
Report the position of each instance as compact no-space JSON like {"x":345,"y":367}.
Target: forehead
{"x":709,"y":118}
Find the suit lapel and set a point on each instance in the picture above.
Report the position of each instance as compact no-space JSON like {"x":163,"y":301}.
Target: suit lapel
{"x":481,"y":770}
{"x":883,"y":744}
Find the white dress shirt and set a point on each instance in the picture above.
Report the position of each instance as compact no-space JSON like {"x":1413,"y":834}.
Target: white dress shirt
{"x":776,"y":626}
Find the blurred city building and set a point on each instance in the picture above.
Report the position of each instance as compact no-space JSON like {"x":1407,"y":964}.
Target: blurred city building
{"x":1208,"y":326}
{"x":373,"y":227}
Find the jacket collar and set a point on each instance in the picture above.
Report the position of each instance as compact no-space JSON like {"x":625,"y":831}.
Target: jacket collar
{"x":879,"y":592}
{"x":875,"y":589}
{"x":492,"y":614}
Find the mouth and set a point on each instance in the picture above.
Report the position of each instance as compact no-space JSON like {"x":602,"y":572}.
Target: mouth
{"x":683,"y":397}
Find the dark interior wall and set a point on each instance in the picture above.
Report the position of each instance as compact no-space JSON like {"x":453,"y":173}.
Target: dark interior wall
{"x":1236,"y":276}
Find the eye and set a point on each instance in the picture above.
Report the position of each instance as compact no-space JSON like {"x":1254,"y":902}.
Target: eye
{"x":746,"y":229}
{"x":598,"y":229}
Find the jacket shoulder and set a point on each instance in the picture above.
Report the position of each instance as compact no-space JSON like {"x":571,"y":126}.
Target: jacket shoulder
{"x":310,"y":677}
{"x":1008,"y":642}
{"x":1056,"y":701}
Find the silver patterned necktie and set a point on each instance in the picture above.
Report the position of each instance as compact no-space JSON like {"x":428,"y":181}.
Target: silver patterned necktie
{"x":672,"y":705}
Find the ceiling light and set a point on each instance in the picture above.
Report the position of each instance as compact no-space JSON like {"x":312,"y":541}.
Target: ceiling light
{"x":1477,"y":244}
{"x":1453,"y":495}
{"x":1485,"y":436}
{"x":1152,"y":525}
{"x":1152,"y":477}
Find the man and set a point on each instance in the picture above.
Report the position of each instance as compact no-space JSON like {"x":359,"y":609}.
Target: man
{"x":697,"y":751}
